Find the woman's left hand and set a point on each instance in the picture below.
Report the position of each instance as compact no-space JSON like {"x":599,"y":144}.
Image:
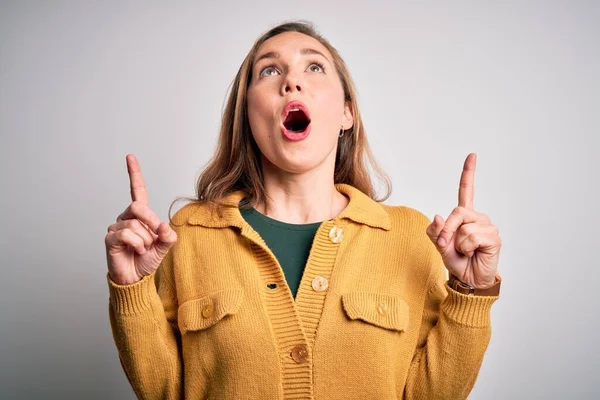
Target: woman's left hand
{"x":468,"y":242}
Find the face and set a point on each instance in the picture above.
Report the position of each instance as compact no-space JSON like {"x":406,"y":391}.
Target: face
{"x":295,"y":67}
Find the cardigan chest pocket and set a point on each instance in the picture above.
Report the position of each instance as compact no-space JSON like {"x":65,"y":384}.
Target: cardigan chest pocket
{"x":202,"y":313}
{"x":382,"y":310}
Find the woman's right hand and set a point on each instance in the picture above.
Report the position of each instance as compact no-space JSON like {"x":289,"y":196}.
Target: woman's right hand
{"x":137,"y":243}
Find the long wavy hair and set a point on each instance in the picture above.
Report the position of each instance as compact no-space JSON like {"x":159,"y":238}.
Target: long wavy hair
{"x":236,"y":162}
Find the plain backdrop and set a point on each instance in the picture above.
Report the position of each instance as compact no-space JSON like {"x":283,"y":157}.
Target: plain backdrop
{"x":84,"y":83}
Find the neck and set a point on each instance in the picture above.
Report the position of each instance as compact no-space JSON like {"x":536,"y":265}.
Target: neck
{"x":300,"y":198}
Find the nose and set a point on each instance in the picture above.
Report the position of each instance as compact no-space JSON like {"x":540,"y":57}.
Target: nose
{"x":291,"y":84}
{"x":288,"y":88}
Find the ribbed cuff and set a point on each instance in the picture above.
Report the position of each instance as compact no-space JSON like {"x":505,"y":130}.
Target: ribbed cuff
{"x":132,"y":299}
{"x":473,"y":311}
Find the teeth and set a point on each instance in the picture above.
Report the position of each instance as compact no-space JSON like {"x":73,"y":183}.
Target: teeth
{"x":294,"y":109}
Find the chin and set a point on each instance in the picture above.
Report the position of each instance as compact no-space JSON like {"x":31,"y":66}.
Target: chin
{"x":296,"y":164}
{"x":300,"y":158}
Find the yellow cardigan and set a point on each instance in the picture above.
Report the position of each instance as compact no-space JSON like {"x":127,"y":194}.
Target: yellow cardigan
{"x":373,"y":317}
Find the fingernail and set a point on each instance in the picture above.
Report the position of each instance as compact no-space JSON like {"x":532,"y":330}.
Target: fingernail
{"x":442,"y":241}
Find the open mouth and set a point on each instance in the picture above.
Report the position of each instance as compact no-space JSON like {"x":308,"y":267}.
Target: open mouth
{"x":296,"y":120}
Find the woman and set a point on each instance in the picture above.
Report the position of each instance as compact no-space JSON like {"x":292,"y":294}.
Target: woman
{"x":286,"y":279}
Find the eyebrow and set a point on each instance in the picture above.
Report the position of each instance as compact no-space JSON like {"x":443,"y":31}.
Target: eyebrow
{"x":274,"y":54}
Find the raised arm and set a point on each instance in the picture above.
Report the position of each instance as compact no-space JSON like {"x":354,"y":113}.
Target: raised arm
{"x":455,"y":328}
{"x":142,"y":302}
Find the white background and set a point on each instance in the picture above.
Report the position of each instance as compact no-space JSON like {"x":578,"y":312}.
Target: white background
{"x":84,"y":83}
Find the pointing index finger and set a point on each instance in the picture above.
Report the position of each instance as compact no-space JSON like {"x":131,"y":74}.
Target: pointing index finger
{"x":136,"y":180}
{"x":467,"y":181}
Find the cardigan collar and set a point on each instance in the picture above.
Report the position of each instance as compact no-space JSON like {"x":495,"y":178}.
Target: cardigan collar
{"x":361,"y":209}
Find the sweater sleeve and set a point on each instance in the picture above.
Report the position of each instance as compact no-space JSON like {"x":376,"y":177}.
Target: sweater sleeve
{"x":143,"y":318}
{"x":454,"y":335}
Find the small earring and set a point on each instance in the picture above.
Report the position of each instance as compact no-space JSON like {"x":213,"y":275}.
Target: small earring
{"x":342,"y":131}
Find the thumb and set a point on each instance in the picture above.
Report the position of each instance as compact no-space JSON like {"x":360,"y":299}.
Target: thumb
{"x":434,"y":230}
{"x":167,"y":237}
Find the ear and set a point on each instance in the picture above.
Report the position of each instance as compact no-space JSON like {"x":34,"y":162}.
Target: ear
{"x":348,"y":117}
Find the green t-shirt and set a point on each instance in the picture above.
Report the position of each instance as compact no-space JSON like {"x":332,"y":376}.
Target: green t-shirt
{"x":290,"y":243}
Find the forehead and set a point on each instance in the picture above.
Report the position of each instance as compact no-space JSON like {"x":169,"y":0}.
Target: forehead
{"x":290,"y":43}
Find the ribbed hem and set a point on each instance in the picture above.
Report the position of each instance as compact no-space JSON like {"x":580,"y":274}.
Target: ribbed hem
{"x":132,"y":299}
{"x":473,"y":311}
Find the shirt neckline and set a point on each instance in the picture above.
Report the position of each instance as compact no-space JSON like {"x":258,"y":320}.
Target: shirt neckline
{"x":281,"y":224}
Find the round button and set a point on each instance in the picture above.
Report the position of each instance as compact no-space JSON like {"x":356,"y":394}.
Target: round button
{"x":207,"y":310}
{"x":320,"y":284}
{"x":299,"y":353}
{"x":382,"y":309}
{"x":335,"y":234}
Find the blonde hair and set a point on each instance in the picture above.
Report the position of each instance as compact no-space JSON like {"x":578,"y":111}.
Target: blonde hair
{"x":236,"y":162}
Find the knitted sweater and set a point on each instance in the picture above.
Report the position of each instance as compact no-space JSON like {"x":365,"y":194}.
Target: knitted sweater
{"x":373,"y":317}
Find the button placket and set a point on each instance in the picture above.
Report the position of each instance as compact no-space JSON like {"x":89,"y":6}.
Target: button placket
{"x":280,"y":307}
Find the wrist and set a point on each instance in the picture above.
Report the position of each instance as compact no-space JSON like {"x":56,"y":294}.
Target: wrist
{"x":123,"y":280}
{"x":468,"y":289}
{"x":485,"y":285}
